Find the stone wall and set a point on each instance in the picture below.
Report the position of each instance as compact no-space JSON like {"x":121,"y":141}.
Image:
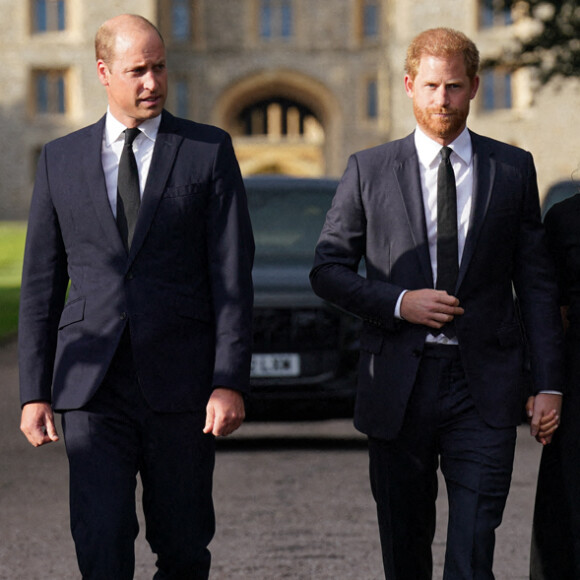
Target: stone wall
{"x":325,"y":66}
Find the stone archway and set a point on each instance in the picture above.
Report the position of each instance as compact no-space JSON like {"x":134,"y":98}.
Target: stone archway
{"x":281,"y":122}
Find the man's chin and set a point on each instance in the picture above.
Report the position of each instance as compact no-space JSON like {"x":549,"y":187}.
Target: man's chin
{"x":150,"y":112}
{"x":447,"y":130}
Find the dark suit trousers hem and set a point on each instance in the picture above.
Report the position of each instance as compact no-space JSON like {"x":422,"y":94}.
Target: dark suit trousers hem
{"x":441,"y":424}
{"x":112,"y":439}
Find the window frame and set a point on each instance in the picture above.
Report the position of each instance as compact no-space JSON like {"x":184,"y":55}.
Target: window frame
{"x":372,"y":99}
{"x":496,"y":90}
{"x":276,"y":20}
{"x":54,"y":82}
{"x":48,"y":16}
{"x":495,"y":13}
{"x":181,"y":90}
{"x":180,"y":12}
{"x":370,"y":30}
{"x":193,"y":36}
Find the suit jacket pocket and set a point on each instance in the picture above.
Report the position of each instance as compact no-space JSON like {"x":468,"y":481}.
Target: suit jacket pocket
{"x":185,"y":190}
{"x":509,"y":335}
{"x":73,"y":312}
{"x":371,"y":342}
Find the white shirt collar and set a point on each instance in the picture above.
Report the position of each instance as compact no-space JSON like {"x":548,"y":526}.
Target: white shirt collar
{"x":428,"y":150}
{"x":114,"y":129}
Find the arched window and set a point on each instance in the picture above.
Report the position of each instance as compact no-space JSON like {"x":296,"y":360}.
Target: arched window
{"x":278,"y":118}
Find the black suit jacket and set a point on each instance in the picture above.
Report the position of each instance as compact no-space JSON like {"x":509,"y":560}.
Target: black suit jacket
{"x":377,"y":214}
{"x":185,"y":289}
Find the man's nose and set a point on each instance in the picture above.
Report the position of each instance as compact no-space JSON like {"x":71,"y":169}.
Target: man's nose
{"x":150,"y":81}
{"x":442,"y":96}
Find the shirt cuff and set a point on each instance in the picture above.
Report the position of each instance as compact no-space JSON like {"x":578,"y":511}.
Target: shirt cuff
{"x":398,"y":305}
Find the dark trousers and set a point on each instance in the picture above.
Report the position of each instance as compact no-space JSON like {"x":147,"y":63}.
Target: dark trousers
{"x":441,"y":424}
{"x":108,"y":442}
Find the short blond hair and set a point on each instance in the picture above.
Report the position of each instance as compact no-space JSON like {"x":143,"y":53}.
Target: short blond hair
{"x":109,"y":30}
{"x":442,"y":42}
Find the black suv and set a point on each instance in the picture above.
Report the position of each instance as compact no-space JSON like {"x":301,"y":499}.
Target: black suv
{"x":305,"y":350}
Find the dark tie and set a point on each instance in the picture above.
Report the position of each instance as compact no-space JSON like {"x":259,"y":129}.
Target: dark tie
{"x":447,"y":252}
{"x":128,"y":193}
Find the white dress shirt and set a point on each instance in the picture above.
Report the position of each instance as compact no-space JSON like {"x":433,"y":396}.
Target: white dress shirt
{"x":428,"y":153}
{"x":112,"y":147}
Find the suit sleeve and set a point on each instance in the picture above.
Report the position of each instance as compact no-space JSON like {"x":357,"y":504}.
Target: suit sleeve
{"x":535,"y":285}
{"x":231,"y":254}
{"x":43,"y":291}
{"x":341,"y":247}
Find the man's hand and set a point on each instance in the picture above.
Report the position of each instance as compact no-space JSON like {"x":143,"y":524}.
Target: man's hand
{"x":37,"y":423}
{"x":544,"y":413}
{"x":224,"y":412}
{"x":433,"y":308}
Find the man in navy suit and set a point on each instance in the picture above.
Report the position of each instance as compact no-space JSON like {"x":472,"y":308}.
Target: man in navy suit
{"x":148,"y":357}
{"x":441,"y":370}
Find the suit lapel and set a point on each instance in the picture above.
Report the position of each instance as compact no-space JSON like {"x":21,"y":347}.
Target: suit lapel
{"x":484,"y":166}
{"x":95,"y":178}
{"x":166,"y":147}
{"x":406,"y":170}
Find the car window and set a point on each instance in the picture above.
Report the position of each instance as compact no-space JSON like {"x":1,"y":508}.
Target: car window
{"x":287,"y":223}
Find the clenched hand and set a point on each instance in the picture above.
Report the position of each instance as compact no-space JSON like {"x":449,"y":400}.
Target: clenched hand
{"x":225,"y":412}
{"x":37,"y":423}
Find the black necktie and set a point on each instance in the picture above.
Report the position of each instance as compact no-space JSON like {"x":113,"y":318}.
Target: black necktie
{"x":447,"y":252}
{"x":128,"y":193}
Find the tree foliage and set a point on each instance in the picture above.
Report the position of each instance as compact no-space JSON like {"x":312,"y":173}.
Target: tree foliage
{"x":547,"y":38}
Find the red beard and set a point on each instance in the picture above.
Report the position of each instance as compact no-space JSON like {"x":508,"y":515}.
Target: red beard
{"x":447,"y":127}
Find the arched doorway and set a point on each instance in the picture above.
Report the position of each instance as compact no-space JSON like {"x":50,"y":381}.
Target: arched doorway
{"x":281,"y":122}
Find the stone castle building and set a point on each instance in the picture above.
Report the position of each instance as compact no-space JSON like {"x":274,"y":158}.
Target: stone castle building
{"x":300,"y":84}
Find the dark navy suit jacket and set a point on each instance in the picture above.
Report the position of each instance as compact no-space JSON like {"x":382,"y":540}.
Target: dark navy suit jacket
{"x":185,"y":289}
{"x":377,"y":214}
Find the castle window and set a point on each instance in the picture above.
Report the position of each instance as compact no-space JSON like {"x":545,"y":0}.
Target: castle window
{"x":181,"y":90}
{"x":180,"y":20}
{"x":48,"y":15}
{"x":370,"y":18}
{"x":276,"y":19}
{"x":372,"y":107}
{"x":278,"y":118}
{"x":495,"y":13}
{"x":49,"y":88}
{"x":496,"y":89}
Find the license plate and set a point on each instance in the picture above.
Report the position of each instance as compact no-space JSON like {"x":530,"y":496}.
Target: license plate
{"x":275,"y":365}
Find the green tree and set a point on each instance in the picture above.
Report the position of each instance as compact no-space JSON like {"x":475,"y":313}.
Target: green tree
{"x":547,"y":38}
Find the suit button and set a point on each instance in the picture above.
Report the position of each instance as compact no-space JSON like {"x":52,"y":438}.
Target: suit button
{"x":130,"y":275}
{"x":123,"y":315}
{"x":417,"y":352}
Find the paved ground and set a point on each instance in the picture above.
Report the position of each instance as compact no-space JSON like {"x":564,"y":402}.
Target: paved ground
{"x":292,"y":503}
